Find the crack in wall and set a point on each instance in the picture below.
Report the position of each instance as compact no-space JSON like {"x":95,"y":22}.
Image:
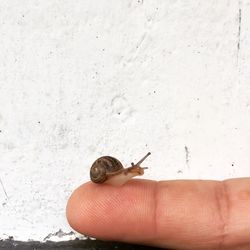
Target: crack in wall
{"x":187,"y":156}
{"x":239,"y":32}
{"x":4,"y":190}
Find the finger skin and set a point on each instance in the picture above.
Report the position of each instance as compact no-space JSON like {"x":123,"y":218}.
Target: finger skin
{"x":181,"y":214}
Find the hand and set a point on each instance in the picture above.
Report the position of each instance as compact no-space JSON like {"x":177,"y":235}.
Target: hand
{"x":179,"y":214}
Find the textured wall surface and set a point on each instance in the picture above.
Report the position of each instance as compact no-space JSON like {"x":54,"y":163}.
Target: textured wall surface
{"x":80,"y":79}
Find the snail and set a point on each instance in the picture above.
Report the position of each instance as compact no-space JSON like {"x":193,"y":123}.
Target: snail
{"x":107,"y":169}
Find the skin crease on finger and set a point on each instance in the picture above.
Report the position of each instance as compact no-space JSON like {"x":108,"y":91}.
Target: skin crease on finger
{"x":179,"y":214}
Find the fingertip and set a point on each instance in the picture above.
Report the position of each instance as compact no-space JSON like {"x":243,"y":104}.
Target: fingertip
{"x":74,"y":210}
{"x":107,"y":212}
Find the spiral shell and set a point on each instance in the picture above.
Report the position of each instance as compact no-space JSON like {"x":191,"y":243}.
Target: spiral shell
{"x":104,"y":166}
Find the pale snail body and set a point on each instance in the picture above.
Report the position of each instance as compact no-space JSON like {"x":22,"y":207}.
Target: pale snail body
{"x":109,"y":170}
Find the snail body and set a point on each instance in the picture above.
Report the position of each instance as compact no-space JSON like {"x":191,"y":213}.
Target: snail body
{"x":109,"y":170}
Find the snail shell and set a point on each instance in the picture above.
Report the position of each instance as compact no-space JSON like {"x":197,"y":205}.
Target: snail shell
{"x":103,"y":167}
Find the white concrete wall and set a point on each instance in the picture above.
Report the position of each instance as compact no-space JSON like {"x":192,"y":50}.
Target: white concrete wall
{"x":79,"y":79}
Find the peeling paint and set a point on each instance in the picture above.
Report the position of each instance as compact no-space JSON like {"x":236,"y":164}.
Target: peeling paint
{"x":59,"y":235}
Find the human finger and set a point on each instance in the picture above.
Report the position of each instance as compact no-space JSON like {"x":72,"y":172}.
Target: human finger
{"x":181,"y":214}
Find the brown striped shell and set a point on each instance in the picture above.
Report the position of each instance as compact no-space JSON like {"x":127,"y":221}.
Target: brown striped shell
{"x":103,"y":167}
